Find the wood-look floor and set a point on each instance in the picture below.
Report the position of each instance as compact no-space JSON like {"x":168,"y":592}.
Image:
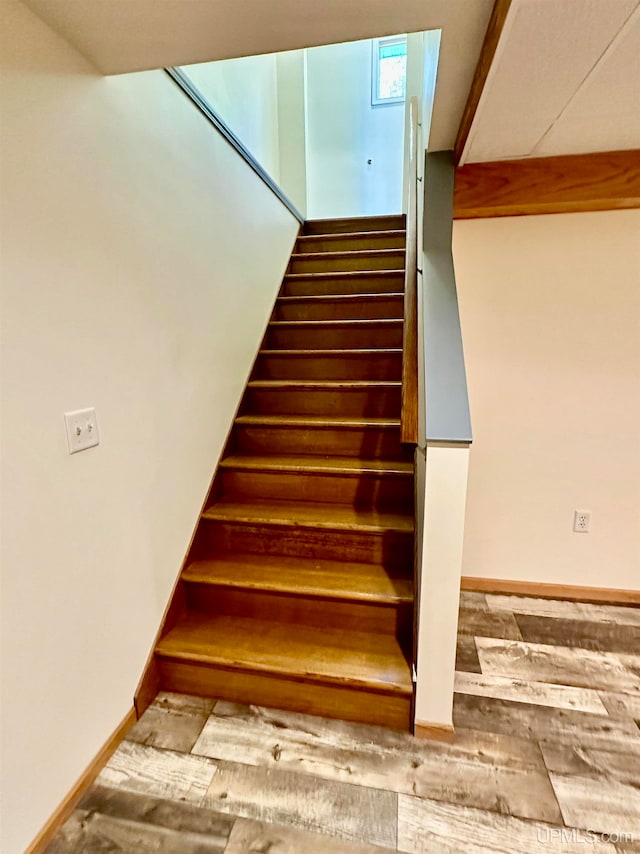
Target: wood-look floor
{"x":546,"y":758}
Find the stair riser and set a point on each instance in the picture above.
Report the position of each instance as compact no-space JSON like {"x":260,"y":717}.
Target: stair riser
{"x":288,"y":694}
{"x":393,"y":260}
{"x":337,"y":338}
{"x":392,"y":307}
{"x":300,"y":610}
{"x":340,"y":226}
{"x":391,"y":549}
{"x":380,"y":492}
{"x":292,"y":440}
{"x":344,"y":285}
{"x":340,"y":244}
{"x":373,"y":404}
{"x":338,"y":367}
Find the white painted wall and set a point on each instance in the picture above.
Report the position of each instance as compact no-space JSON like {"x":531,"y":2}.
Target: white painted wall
{"x":423,"y":52}
{"x":128,"y":283}
{"x":291,"y":74}
{"x":550,"y":311}
{"x":245,"y":93}
{"x":442,"y":490}
{"x":344,"y":131}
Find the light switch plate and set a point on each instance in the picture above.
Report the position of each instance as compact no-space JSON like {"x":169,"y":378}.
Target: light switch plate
{"x":82,"y":429}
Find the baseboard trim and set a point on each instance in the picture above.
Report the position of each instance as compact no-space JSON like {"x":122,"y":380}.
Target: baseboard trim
{"x":434,"y":732}
{"x":597,"y":595}
{"x":64,"y":810}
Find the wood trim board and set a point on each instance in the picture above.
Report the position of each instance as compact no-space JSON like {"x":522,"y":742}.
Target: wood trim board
{"x":597,"y":595}
{"x":487,"y":53}
{"x":66,"y":807}
{"x":409,"y":406}
{"x":434,"y":732}
{"x":570,"y":183}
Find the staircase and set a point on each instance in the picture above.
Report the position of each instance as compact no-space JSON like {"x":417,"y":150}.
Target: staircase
{"x":298,"y":590}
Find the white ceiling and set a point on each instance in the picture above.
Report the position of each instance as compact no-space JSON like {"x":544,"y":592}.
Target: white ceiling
{"x":134,"y":35}
{"x":565,"y":80}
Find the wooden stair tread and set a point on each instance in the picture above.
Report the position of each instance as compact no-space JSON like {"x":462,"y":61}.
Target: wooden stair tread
{"x":318,"y":421}
{"x":330,"y":298}
{"x":376,"y":352}
{"x":391,"y":232}
{"x":323,"y":465}
{"x":329,"y":656}
{"x":360,"y":385}
{"x":309,"y":515}
{"x":348,"y":323}
{"x":356,"y":223}
{"x":347,"y":253}
{"x":363,"y":274}
{"x":357,"y":582}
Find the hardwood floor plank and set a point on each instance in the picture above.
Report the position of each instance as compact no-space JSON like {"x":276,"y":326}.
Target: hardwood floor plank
{"x":533,"y":722}
{"x":467,"y":655}
{"x":623,"y":616}
{"x":178,"y":776}
{"x":631,"y":662}
{"x":473,"y":599}
{"x":325,"y":730}
{"x":583,"y":634}
{"x":489,"y":624}
{"x":94,"y":833}
{"x":259,"y":836}
{"x":596,"y":790}
{"x":174,"y":815}
{"x":618,"y":614}
{"x":621,"y":705}
{"x":336,"y":809}
{"x":186,"y":703}
{"x":68,"y":840}
{"x":557,"y":664}
{"x":523,"y":691}
{"x":430,"y":827}
{"x":494,"y":772}
{"x":172,"y":721}
{"x":532,"y":605}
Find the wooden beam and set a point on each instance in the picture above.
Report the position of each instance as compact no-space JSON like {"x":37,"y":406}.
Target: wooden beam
{"x":575,"y":182}
{"x":599,"y":595}
{"x":487,"y":53}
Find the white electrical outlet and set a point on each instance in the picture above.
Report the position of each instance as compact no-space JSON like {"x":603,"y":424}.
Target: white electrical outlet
{"x":581,"y":521}
{"x":82,"y":430}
